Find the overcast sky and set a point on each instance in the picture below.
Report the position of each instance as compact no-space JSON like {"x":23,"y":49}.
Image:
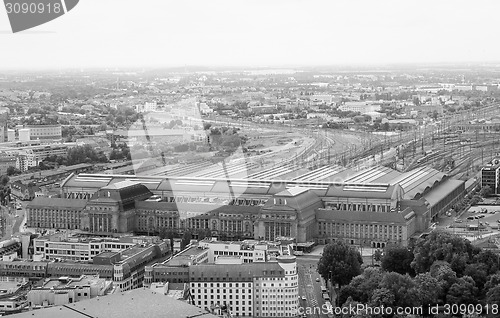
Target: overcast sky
{"x":138,"y":33}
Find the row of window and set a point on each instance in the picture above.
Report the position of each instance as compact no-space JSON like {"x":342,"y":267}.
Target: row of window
{"x":199,"y":296}
{"x":365,"y":207}
{"x":223,"y":285}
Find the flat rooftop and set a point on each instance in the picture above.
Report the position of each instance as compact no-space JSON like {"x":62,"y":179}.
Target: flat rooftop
{"x":119,"y":305}
{"x":193,"y":250}
{"x":65,"y":282}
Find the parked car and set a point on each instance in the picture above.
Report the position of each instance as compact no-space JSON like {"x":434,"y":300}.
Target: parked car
{"x":458,"y":221}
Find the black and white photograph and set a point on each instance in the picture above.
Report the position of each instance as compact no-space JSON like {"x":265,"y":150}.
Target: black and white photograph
{"x":249,"y":158}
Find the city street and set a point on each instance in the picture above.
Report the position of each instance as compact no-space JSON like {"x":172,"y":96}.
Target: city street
{"x":310,"y":288}
{"x":13,"y":220}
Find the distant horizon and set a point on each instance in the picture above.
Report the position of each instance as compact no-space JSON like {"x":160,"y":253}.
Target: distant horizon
{"x":295,"y":67}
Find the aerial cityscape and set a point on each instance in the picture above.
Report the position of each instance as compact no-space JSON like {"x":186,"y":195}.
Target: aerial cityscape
{"x":231,"y":160}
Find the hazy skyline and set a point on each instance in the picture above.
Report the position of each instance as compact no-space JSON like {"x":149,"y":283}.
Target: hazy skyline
{"x":147,"y":33}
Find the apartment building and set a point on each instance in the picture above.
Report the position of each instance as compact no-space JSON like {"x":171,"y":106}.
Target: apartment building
{"x":33,"y":155}
{"x":5,"y":163}
{"x":261,"y":289}
{"x":490,"y":176}
{"x":67,"y":247}
{"x":209,"y":250}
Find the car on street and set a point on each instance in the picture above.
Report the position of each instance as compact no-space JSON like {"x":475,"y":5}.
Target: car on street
{"x":317,"y":279}
{"x":458,"y":221}
{"x":304,"y":298}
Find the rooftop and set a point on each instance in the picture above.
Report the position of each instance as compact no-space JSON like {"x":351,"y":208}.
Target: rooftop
{"x":66,"y":282}
{"x":119,"y":305}
{"x":292,"y":192}
{"x":365,"y":217}
{"x":120,"y":185}
{"x":236,"y":272}
{"x":441,"y":191}
{"x":44,"y":202}
{"x":419,"y":181}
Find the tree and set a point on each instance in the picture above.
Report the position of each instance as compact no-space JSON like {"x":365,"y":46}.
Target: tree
{"x":377,"y":255}
{"x":166,"y":233}
{"x":397,"y":259}
{"x":119,"y":120}
{"x":362,"y":286}
{"x":493,"y":280}
{"x":478,"y":273}
{"x":186,"y":239}
{"x":349,"y":313}
{"x":4,"y":180}
{"x":442,"y":246}
{"x":85,"y":154}
{"x":429,"y":289}
{"x":339,"y":263}
{"x":444,"y":274}
{"x":493,"y":295}
{"x":11,"y":171}
{"x":489,"y":259}
{"x":402,"y":287}
{"x":485,"y":191}
{"x":203,"y":233}
{"x":463,"y":291}
{"x":382,"y":297}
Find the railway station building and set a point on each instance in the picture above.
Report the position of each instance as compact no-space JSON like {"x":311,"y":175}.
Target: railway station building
{"x":372,"y":207}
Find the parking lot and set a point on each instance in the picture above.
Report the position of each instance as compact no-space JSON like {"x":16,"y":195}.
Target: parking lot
{"x":477,"y":222}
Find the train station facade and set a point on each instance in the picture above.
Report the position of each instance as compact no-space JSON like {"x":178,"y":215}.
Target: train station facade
{"x":373,"y":207}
